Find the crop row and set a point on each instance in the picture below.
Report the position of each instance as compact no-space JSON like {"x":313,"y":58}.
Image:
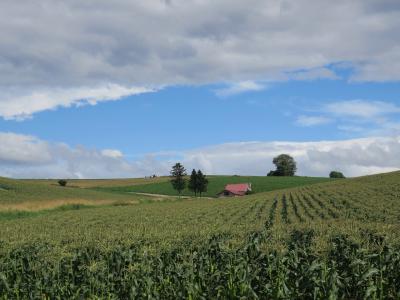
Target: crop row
{"x":311,"y":204}
{"x":209,"y":270}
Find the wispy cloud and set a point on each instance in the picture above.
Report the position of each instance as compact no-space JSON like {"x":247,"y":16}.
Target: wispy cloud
{"x":19,"y":107}
{"x":113,"y":153}
{"x":307,"y":121}
{"x":363,"y":117}
{"x":361,"y":108}
{"x":239,"y":88}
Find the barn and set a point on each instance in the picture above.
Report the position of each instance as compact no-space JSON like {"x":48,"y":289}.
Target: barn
{"x":234,"y":190}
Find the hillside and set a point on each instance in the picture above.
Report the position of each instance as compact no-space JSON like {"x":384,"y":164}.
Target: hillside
{"x":36,"y":195}
{"x":302,"y":242}
{"x":217,"y":184}
{"x":94,"y":183}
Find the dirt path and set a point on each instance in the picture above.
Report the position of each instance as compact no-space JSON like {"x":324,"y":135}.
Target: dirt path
{"x":158,"y":195}
{"x":167,"y":196}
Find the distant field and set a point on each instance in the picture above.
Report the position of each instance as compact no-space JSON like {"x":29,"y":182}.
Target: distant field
{"x":33,"y":195}
{"x":217,"y":184}
{"x":91,"y":183}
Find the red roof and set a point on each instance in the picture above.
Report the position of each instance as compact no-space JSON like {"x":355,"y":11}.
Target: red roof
{"x":238,"y":189}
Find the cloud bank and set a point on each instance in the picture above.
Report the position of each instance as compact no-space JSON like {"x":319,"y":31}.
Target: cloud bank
{"x":57,"y":53}
{"x":24,"y":156}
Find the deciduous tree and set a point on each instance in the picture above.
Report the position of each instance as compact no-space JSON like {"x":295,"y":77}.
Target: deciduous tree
{"x":285,"y":166}
{"x":336,"y":174}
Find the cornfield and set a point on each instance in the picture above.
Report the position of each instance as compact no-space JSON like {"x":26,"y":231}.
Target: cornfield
{"x":335,"y":240}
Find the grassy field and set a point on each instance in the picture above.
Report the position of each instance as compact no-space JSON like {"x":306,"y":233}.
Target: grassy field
{"x":329,"y":240}
{"x":217,"y":184}
{"x":94,"y":183}
{"x":33,"y":195}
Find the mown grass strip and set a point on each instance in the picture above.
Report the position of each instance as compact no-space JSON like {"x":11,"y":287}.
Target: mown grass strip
{"x":20,"y":214}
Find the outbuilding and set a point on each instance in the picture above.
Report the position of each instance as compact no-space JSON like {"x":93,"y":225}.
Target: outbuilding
{"x":234,"y":190}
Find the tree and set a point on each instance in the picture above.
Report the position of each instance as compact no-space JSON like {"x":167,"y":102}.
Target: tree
{"x":178,"y":180}
{"x":336,"y":174}
{"x":62,"y":182}
{"x":202,"y":182}
{"x":193,"y":182}
{"x":285,"y":166}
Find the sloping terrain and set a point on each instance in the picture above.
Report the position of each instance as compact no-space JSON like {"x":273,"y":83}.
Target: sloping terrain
{"x":325,"y":241}
{"x":36,"y":195}
{"x":96,"y":183}
{"x":217,"y":184}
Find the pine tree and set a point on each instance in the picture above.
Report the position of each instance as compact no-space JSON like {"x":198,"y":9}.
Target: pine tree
{"x":178,"y":180}
{"x":193,"y":182}
{"x":202,"y":182}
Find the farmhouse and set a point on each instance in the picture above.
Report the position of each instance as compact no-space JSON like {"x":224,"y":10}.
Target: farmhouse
{"x":233,"y":190}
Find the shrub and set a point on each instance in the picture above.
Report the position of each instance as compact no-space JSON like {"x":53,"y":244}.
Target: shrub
{"x":62,"y":182}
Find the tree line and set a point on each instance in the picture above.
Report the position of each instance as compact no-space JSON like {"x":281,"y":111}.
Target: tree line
{"x":197,"y":182}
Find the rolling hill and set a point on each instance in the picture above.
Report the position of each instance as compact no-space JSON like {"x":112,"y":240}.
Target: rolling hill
{"x":217,"y":184}
{"x":33,"y":195}
{"x":336,"y":239}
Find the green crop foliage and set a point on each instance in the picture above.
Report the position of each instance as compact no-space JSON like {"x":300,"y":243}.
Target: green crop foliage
{"x":334,"y":240}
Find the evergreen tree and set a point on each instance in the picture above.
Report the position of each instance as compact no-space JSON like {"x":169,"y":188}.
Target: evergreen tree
{"x":193,"y":182}
{"x":178,"y":180}
{"x":202,"y":182}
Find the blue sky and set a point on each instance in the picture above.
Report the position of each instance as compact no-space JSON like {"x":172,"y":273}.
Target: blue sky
{"x":186,"y":117}
{"x":119,"y":90}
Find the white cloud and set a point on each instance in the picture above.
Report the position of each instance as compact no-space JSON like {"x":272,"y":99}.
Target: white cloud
{"x":113,"y":153}
{"x":22,"y":150}
{"x":353,"y":157}
{"x":307,"y":121}
{"x":361,"y":108}
{"x":366,"y":117}
{"x":13,"y":106}
{"x":79,"y":45}
{"x":240,"y":87}
{"x":26,"y":157}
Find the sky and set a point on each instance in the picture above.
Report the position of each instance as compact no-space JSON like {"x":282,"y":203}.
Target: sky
{"x":101,"y":89}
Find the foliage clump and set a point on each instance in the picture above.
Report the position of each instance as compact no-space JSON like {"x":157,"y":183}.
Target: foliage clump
{"x":62,"y":182}
{"x":178,"y":180}
{"x":336,"y":174}
{"x":198,"y":182}
{"x":285,"y":166}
